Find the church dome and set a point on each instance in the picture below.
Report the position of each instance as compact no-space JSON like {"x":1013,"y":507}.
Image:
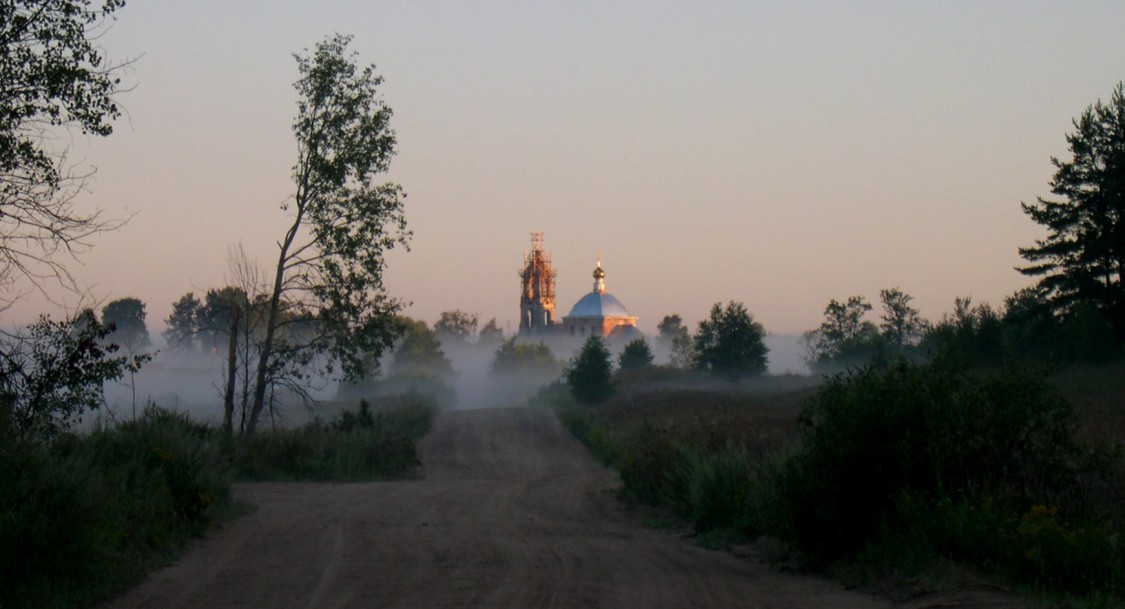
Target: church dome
{"x":597,"y":304}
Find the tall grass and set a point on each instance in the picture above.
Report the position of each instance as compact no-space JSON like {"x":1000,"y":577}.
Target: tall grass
{"x":367,"y":444}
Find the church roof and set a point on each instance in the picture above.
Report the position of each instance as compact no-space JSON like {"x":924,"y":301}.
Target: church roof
{"x":597,"y":304}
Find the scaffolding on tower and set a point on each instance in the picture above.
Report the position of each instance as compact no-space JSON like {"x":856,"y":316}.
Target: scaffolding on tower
{"x":537,"y":283}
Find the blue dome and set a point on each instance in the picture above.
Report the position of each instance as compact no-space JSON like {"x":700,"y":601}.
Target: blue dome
{"x":599,"y":305}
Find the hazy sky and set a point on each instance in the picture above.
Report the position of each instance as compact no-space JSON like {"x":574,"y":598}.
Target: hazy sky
{"x":777,"y":153}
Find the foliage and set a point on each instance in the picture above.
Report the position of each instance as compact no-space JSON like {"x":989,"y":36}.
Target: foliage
{"x":85,"y":516}
{"x":695,"y":468}
{"x":589,"y":427}
{"x":670,"y":327}
{"x":716,"y":487}
{"x":419,"y":353}
{"x":676,"y":338}
{"x":590,"y":373}
{"x":730,"y":343}
{"x":1027,"y":329}
{"x":902,"y":326}
{"x":219,"y":312}
{"x":52,"y":76}
{"x":933,"y":431}
{"x":902,"y":466}
{"x":55,"y":373}
{"x":126,"y":318}
{"x":330,"y":265}
{"x":635,"y":356}
{"x":844,"y":338}
{"x":1082,"y":259}
{"x":183,"y":322}
{"x":514,"y":357}
{"x":373,"y":442}
{"x":490,"y":334}
{"x":972,"y":335}
{"x":456,"y":326}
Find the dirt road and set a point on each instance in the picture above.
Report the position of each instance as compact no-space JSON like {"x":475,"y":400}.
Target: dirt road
{"x":511,"y":512}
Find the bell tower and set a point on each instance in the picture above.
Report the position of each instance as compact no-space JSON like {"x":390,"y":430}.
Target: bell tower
{"x":537,"y":295}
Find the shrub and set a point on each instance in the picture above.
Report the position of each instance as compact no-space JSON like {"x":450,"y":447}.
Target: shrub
{"x":85,"y":515}
{"x":907,"y":463}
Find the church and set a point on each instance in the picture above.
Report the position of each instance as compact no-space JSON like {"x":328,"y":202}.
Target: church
{"x":596,"y":313}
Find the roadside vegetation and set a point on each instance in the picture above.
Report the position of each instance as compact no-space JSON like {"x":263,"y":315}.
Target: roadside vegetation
{"x":884,"y":473}
{"x":83,"y":515}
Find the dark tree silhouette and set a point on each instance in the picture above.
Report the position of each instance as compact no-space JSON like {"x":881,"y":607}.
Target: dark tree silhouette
{"x":126,"y":319}
{"x":590,"y":373}
{"x":730,"y":343}
{"x":1082,"y":259}
{"x":635,"y":356}
{"x":183,"y":323}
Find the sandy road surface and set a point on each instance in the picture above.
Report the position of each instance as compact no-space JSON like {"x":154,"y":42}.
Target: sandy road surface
{"x":511,"y":512}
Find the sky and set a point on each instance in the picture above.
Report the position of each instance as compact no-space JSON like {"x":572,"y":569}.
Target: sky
{"x":780,"y":154}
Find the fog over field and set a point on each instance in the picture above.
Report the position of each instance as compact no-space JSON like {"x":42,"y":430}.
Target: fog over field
{"x":192,"y":381}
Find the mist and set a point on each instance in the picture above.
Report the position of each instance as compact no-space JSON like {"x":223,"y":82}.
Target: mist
{"x":191,"y":381}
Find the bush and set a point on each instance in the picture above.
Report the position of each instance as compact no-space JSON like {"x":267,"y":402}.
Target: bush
{"x":907,"y":463}
{"x":86,"y":515}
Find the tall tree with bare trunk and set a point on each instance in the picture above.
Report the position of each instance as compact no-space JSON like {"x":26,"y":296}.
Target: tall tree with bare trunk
{"x":328,"y":303}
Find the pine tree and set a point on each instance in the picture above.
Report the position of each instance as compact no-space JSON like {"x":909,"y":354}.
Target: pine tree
{"x":590,"y":374}
{"x":1082,"y":259}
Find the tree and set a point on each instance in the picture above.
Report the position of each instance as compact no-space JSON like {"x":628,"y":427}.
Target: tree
{"x":330,"y":263}
{"x":183,"y":323}
{"x":456,"y":326}
{"x":126,"y":320}
{"x":490,"y":334}
{"x":51,"y":77}
{"x":635,"y":356}
{"x":971,"y":335}
{"x":730,"y":343}
{"x":902,"y":325}
{"x":677,"y":339}
{"x":533,"y":359}
{"x":419,"y":354}
{"x":54,"y":373}
{"x":844,"y":336}
{"x":1082,"y":259}
{"x":670,"y":327}
{"x":228,"y":314}
{"x":590,"y":373}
